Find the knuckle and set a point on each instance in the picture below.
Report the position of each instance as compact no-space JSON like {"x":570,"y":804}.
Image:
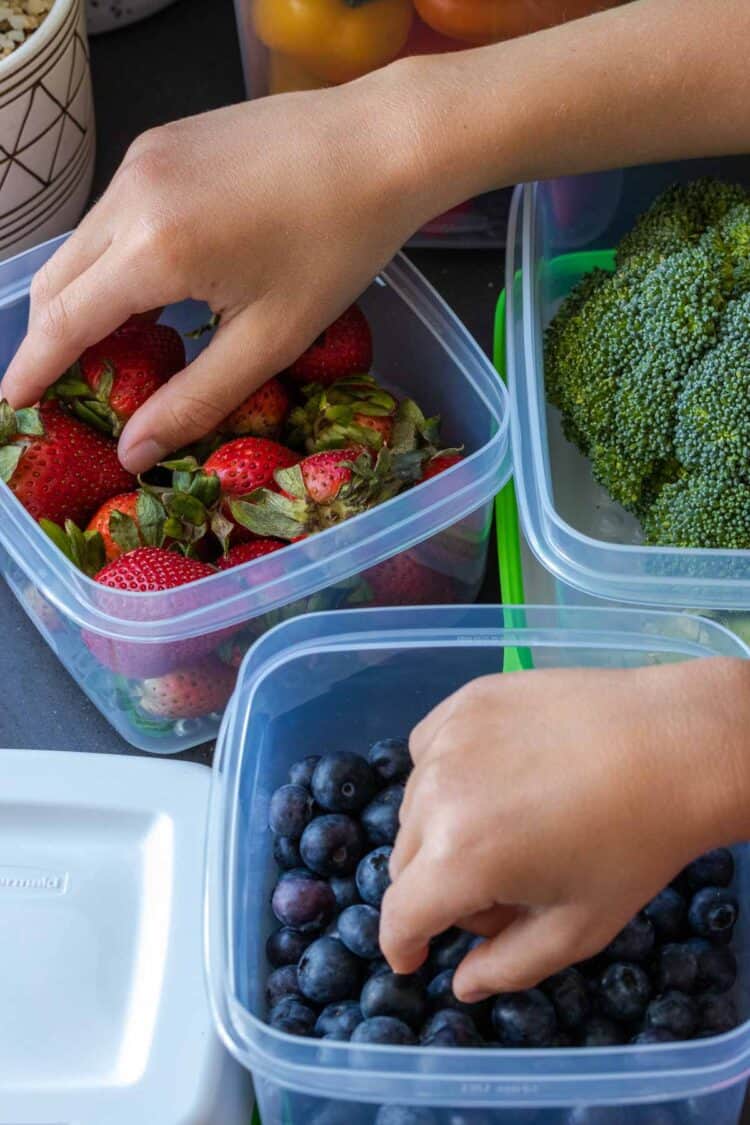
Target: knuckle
{"x":52,"y":320}
{"x":40,"y":286}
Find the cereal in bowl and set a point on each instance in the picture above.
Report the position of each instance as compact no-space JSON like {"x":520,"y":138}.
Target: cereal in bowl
{"x":18,"y":20}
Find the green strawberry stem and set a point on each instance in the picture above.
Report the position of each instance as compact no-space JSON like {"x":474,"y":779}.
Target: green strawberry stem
{"x":84,"y":549}
{"x":92,"y":407}
{"x":15,"y":426}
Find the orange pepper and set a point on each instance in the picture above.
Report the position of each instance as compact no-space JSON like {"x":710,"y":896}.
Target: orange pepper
{"x":285,"y":75}
{"x":488,"y":21}
{"x":335,"y":40}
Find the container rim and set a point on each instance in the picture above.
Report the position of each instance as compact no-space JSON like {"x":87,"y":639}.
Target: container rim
{"x":476,"y":1076}
{"x":539,"y":516}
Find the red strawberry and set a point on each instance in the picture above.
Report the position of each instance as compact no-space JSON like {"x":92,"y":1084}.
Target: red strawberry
{"x":150,"y":569}
{"x":248,"y":552}
{"x":58,"y":468}
{"x":401,"y":580}
{"x":245,"y":465}
{"x":188,"y":693}
{"x":352,"y":411}
{"x":263,"y":414}
{"x":139,"y":319}
{"x":325,"y":474}
{"x":440,"y":464}
{"x":345,"y":348}
{"x":115,"y":377}
{"x":126,"y":505}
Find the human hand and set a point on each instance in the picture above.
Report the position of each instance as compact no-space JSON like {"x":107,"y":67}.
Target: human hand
{"x":546,"y":808}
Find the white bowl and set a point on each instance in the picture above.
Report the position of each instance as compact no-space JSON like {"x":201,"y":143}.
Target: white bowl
{"x":47,"y":136}
{"x":108,"y":15}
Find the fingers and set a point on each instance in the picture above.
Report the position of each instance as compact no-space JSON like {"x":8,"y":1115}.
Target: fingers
{"x":424,"y":733}
{"x":489,"y":923}
{"x":85,"y":245}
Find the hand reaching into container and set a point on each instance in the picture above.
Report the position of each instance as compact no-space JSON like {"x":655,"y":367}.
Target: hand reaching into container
{"x":546,"y":808}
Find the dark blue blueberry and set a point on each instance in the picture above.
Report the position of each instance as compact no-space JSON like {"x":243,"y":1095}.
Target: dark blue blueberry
{"x":450,"y":1028}
{"x":286,"y":853}
{"x":332,"y":845}
{"x":717,"y":966}
{"x":286,"y":946}
{"x":599,"y":1031}
{"x":378,"y":966}
{"x":338,"y":1021}
{"x":359,"y":929}
{"x":391,"y":760}
{"x":293,"y":1017}
{"x":386,"y":1030}
{"x":675,"y":1012}
{"x":282,"y":983}
{"x":440,"y":995}
{"x":448,"y":950}
{"x":380,"y":817}
{"x":389,"y":994}
{"x":328,"y":972}
{"x":652,"y":1036}
{"x":713,"y":912}
{"x":570,"y":995}
{"x":524,"y":1019}
{"x":290,"y":811}
{"x":624,"y":991}
{"x":304,"y":903}
{"x":667,"y":913}
{"x":716,"y":1014}
{"x":343,"y":782}
{"x":405,"y":1115}
{"x":676,"y":968}
{"x":373,"y":876}
{"x":345,"y":891}
{"x":633,"y":943}
{"x":301,"y":772}
{"x":714,"y":869}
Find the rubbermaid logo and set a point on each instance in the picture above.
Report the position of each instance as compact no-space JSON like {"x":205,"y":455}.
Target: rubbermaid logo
{"x":31,"y":881}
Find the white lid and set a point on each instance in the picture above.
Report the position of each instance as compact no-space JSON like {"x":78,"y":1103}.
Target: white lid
{"x":104,"y":1016}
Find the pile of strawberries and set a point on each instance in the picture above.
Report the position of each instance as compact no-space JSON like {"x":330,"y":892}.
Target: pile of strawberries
{"x":316,"y":445}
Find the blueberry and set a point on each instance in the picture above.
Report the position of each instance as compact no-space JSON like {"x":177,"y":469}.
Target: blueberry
{"x":282,"y":983}
{"x":379,"y":966}
{"x":286,"y":853}
{"x":652,"y":1036}
{"x":345,"y":891}
{"x":373,"y":876}
{"x":569,"y":993}
{"x":301,"y":772}
{"x":633,"y":943}
{"x":384,"y":1029}
{"x":717,"y":1014}
{"x":303,"y":902}
{"x":293,"y":1017}
{"x":440,"y":995}
{"x":332,"y":845}
{"x":343,"y":782}
{"x":391,"y":760}
{"x":359,"y":929}
{"x":404,"y":1115}
{"x":290,"y":811}
{"x":448,"y":950}
{"x":713,"y":912}
{"x":389,"y":994}
{"x":599,"y":1031}
{"x":328,"y":972}
{"x":380,"y":817}
{"x":667,"y":914}
{"x":675,"y":1012}
{"x":714,"y":869}
{"x":524,"y":1019}
{"x":717,"y":966}
{"x":677,"y":968}
{"x":286,"y":946}
{"x":450,"y":1028}
{"x":338,"y":1021}
{"x":624,"y":991}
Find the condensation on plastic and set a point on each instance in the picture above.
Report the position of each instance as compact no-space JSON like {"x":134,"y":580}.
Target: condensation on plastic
{"x":342,"y":681}
{"x":441,"y":530}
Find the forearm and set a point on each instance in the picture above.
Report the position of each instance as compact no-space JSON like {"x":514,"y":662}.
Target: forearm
{"x":651,"y":81}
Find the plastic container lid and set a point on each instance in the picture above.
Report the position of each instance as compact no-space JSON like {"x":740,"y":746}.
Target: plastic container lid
{"x":104,"y":1015}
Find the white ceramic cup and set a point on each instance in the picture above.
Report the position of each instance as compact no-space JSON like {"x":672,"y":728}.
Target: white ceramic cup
{"x":108,"y":15}
{"x":47,"y":136}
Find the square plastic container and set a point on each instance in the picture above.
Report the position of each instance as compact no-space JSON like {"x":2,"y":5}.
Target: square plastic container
{"x":104,"y":1015}
{"x":437,"y":535}
{"x":589,"y":545}
{"x":342,"y":681}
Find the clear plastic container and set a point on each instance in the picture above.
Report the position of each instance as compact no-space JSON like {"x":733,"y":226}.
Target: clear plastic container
{"x":589,"y":545}
{"x":343,"y":681}
{"x":307,"y":44}
{"x":434,"y":538}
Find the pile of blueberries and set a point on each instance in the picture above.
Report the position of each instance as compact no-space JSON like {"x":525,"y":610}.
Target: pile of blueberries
{"x":667,"y":975}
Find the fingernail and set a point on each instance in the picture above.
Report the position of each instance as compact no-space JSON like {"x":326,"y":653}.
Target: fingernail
{"x":138,"y":458}
{"x":473,"y":997}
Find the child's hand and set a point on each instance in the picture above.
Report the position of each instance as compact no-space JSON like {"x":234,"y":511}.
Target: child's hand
{"x":546,"y":808}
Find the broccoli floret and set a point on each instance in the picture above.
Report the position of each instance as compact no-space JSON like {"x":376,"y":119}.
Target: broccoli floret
{"x":700,"y":510}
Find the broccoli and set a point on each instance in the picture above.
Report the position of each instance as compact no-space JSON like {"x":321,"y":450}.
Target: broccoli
{"x":650,"y":368}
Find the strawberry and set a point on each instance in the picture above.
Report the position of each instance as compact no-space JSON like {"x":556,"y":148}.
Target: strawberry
{"x":151,"y":569}
{"x":137,"y":320}
{"x":345,"y":348}
{"x":242,"y":467}
{"x":112,"y":379}
{"x":353,"y":410}
{"x":263,"y":414}
{"x":188,"y":693}
{"x":248,"y":552}
{"x":134,"y":519}
{"x":58,"y":468}
{"x":440,"y":464}
{"x":401,"y":580}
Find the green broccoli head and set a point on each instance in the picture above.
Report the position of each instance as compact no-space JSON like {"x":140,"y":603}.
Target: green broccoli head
{"x":700,"y":510}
